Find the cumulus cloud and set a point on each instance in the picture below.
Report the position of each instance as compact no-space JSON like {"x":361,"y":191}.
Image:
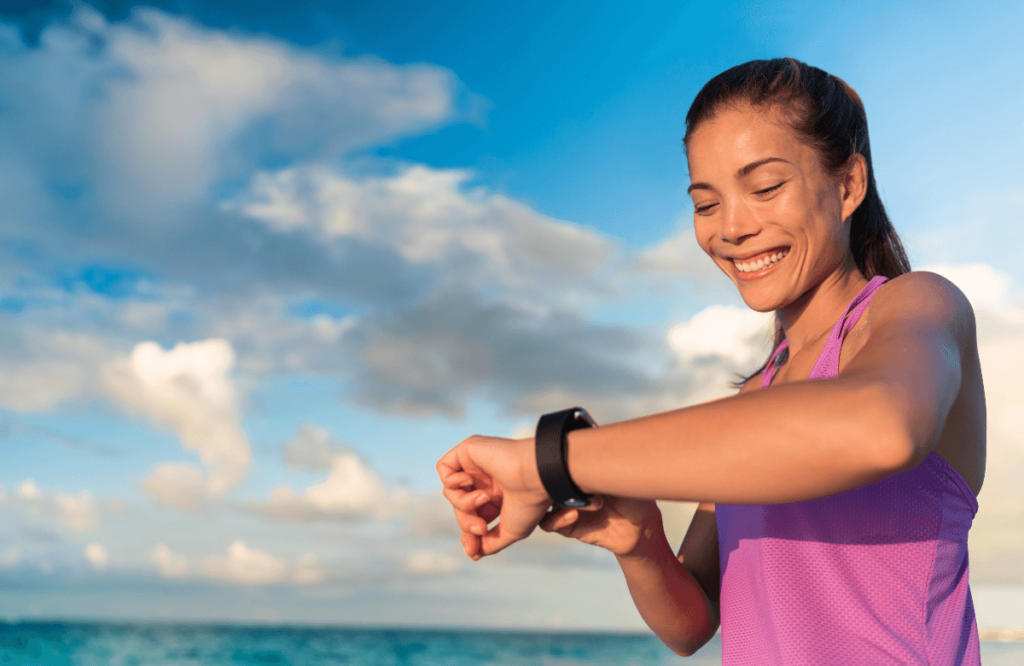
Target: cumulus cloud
{"x":177,"y":484}
{"x":246,"y":566}
{"x":429,"y":217}
{"x":189,"y":389}
{"x":97,"y":556}
{"x":352,"y":488}
{"x":27,"y":490}
{"x":308,"y":570}
{"x":313,"y":448}
{"x":43,"y":369}
{"x":240,"y":565}
{"x":167,"y":106}
{"x":77,"y":512}
{"x":427,"y":563}
{"x":739,"y":336}
{"x":169,"y":563}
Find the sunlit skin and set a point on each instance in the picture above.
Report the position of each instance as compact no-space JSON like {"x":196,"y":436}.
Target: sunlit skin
{"x":756,"y":187}
{"x":910,"y":366}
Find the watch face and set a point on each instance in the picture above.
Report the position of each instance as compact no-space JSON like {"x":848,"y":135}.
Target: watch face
{"x":572,"y":501}
{"x":582,"y":415}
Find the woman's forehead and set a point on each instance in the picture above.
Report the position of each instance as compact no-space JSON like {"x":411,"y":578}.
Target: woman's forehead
{"x":737,"y":136}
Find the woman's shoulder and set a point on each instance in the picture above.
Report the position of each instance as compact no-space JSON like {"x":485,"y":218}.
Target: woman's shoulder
{"x":923,"y":295}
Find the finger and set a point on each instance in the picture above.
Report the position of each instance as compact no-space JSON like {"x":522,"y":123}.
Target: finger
{"x":465,"y":500}
{"x":451,"y":465}
{"x":517,"y":520}
{"x":458,"y":480}
{"x":559,"y":520}
{"x":471,"y":546}
{"x":470,"y":522}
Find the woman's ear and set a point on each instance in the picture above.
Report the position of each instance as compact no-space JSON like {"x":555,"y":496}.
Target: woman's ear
{"x":854,"y":184}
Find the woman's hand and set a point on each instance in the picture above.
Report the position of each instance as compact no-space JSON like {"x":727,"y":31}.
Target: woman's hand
{"x":486,"y":478}
{"x":621,"y":525}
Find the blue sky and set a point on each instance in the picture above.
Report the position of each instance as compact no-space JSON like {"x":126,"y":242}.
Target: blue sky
{"x":260,"y":266}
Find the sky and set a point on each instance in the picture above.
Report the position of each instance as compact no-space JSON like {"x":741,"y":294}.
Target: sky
{"x":261,"y":265}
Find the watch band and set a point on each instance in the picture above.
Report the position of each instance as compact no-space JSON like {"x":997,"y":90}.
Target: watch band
{"x":551,"y":459}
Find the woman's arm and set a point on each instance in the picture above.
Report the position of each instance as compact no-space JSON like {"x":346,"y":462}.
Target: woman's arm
{"x":802,"y":440}
{"x":796,"y":441}
{"x":677,"y":595}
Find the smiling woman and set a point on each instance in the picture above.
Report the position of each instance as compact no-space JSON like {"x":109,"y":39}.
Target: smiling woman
{"x":834,"y":513}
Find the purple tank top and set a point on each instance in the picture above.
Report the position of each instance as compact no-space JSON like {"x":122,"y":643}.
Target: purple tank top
{"x":875,"y":575}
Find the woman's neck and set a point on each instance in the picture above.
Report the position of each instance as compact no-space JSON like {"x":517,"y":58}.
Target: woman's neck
{"x":812,"y":316}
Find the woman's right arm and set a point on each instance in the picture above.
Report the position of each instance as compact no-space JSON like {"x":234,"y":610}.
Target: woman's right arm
{"x":677,"y":595}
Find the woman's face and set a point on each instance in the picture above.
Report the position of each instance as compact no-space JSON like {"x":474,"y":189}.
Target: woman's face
{"x":764,"y":209}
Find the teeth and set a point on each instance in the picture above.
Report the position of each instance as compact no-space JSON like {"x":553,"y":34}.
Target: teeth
{"x":760,"y":263}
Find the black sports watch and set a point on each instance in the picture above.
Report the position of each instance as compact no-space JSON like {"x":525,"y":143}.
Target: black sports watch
{"x":551,"y":462}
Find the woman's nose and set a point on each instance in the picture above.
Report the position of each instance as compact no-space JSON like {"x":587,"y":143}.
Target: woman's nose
{"x":738,"y":222}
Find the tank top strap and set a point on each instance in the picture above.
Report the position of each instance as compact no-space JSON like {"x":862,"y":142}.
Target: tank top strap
{"x":773,"y":364}
{"x":828,"y":362}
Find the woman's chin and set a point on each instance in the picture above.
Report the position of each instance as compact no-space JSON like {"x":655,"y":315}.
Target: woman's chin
{"x":759,"y":302}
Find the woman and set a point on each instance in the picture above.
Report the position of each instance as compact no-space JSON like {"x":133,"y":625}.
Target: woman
{"x":833,"y":516}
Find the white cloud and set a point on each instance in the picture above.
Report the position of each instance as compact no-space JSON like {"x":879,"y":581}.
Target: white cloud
{"x":10,"y":558}
{"x":177,"y":484}
{"x":679,"y":254}
{"x":169,"y":563}
{"x":246,"y":566}
{"x":188,"y":389}
{"x":97,"y":556}
{"x":738,"y":335}
{"x":27,"y":490}
{"x":312,"y":448}
{"x":430,"y":217}
{"x":44,"y":368}
{"x":426,"y":562}
{"x":308,"y":570}
{"x":352,"y":490}
{"x":156,"y":108}
{"x":77,"y":512}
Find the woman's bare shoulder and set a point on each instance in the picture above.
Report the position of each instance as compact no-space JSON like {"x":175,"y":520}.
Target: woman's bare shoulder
{"x":925,"y":296}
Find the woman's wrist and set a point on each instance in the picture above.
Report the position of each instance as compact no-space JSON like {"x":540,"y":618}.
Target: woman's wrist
{"x":529,"y":472}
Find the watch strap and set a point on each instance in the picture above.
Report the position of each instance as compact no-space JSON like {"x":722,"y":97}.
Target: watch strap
{"x":551,"y":455}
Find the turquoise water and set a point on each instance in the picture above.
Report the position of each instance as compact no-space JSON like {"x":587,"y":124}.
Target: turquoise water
{"x":56,"y":644}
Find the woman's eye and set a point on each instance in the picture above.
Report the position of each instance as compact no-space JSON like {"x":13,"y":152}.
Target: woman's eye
{"x":769,"y":190}
{"x":703,"y":209}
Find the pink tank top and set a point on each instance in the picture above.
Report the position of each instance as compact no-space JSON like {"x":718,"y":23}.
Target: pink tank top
{"x":875,"y":575}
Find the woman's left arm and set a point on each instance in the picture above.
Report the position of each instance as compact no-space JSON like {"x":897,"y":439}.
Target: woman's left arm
{"x":802,"y":440}
{"x":795,"y":441}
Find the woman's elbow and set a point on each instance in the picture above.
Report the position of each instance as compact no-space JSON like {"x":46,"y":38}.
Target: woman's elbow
{"x":893,"y":442}
{"x":686,"y":645}
{"x":689,"y":648}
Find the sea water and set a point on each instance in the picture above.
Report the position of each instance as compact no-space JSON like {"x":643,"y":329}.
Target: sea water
{"x":89,"y":644}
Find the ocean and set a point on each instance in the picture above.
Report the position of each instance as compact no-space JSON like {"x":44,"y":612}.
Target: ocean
{"x":95,"y":644}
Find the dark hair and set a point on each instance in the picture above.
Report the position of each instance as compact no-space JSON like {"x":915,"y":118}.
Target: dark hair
{"x":829,"y":115}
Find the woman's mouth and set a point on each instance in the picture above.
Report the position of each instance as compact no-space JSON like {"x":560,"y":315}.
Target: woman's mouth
{"x":755,"y":265}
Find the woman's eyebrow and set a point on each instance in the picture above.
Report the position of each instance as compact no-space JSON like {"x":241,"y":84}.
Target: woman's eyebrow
{"x":753,"y":165}
{"x":744,"y":171}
